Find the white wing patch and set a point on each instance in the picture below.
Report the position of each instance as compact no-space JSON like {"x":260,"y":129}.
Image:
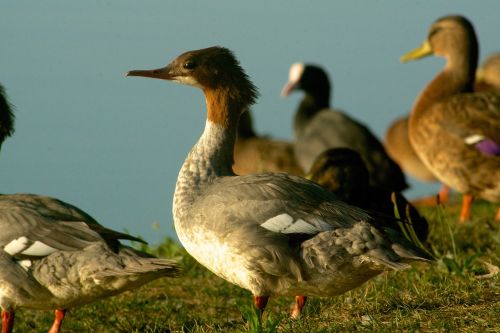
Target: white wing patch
{"x":473,"y":139}
{"x":39,"y":249}
{"x":300,"y":227}
{"x":285,"y":224}
{"x":17,"y":245}
{"x":278,"y":223}
{"x":25,"y":264}
{"x":23,"y":245}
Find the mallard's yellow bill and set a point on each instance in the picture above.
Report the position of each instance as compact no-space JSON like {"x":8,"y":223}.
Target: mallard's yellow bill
{"x":423,"y":51}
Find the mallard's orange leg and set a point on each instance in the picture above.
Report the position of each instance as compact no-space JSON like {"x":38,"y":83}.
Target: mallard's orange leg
{"x":497,"y":217}
{"x":7,"y":321}
{"x":443,"y":195}
{"x":466,"y":207}
{"x":441,"y":198}
{"x":58,"y":319}
{"x":300,"y":301}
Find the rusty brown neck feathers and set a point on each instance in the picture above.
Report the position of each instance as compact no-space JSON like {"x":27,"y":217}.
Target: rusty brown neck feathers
{"x":221,"y":108}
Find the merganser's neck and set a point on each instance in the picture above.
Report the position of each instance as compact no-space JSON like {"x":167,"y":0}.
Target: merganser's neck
{"x":309,"y":106}
{"x":456,"y":78}
{"x":212,"y":156}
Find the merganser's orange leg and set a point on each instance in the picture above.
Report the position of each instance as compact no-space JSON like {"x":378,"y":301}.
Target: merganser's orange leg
{"x":58,"y":319}
{"x":497,"y":217}
{"x":300,"y":301}
{"x":260,"y":303}
{"x":7,"y":321}
{"x":466,"y":207}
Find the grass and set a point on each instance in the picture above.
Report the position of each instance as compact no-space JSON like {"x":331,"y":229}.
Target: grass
{"x":454,"y":294}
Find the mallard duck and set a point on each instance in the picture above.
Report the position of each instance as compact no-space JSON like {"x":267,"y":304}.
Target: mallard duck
{"x":318,"y":127}
{"x":398,"y":146}
{"x":270,"y":233}
{"x":488,"y":75}
{"x":342,"y":171}
{"x":255,"y":154}
{"x":455,"y":132}
{"x":397,"y":143}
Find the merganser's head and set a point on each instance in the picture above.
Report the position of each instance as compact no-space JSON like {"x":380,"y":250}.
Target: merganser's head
{"x":307,"y":77}
{"x":450,"y":37}
{"x":6,"y":117}
{"x":211,"y":69}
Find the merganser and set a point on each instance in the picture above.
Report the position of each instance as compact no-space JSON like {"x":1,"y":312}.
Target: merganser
{"x":55,"y":256}
{"x":342,"y":171}
{"x":455,"y":132}
{"x":256,"y":154}
{"x":270,"y":233}
{"x":317,"y":127}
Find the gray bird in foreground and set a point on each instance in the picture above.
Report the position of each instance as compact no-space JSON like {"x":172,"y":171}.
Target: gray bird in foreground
{"x":271,"y":233}
{"x":54,"y":256}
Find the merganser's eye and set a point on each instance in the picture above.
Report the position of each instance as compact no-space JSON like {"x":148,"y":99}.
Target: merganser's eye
{"x":189,"y":64}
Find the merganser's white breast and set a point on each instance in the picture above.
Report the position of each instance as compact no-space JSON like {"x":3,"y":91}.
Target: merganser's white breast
{"x":220,"y":257}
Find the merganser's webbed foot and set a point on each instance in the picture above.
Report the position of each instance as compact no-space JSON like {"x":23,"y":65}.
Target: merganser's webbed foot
{"x":58,"y":319}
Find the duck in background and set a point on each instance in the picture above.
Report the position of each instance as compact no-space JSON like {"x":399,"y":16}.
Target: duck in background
{"x":488,"y":75}
{"x":398,"y":146}
{"x":54,"y":256}
{"x":342,"y":171}
{"x":454,"y":131}
{"x":318,"y":127}
{"x":270,"y":233}
{"x":257,"y":154}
